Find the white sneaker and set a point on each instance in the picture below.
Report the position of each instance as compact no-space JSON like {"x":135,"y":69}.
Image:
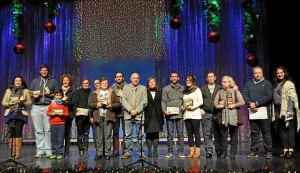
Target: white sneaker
{"x":181,"y":155}
{"x":38,"y":155}
{"x":169,"y":155}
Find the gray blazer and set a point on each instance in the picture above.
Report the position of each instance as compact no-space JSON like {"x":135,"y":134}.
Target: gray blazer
{"x":129,"y":103}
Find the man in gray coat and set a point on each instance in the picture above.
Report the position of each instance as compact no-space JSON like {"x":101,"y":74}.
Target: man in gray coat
{"x":172,"y":96}
{"x":134,"y":101}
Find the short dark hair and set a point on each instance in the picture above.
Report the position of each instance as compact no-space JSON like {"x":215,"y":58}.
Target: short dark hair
{"x":44,"y":66}
{"x":101,"y":79}
{"x":175,"y":73}
{"x":119,"y":72}
{"x":59,"y":91}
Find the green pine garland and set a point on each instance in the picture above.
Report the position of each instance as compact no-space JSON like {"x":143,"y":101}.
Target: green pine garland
{"x":52,"y":7}
{"x":250,"y":19}
{"x":175,"y":7}
{"x":82,"y":168}
{"x":18,"y":11}
{"x":213,"y":13}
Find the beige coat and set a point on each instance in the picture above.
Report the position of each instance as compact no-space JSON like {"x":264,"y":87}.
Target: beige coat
{"x":289,"y":90}
{"x":27,"y":101}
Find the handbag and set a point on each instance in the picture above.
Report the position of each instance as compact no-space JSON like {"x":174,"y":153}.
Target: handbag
{"x":239,"y":114}
{"x":240,"y":117}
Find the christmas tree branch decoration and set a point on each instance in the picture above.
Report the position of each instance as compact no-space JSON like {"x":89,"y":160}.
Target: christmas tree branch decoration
{"x":175,"y":8}
{"x":213,"y":13}
{"x":18,"y":17}
{"x":52,"y":7}
{"x":250,"y":19}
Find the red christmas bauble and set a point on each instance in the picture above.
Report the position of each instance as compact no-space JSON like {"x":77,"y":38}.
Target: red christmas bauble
{"x":175,"y":23}
{"x":19,"y":49}
{"x":50,"y":27}
{"x":252,"y":61}
{"x":213,"y":37}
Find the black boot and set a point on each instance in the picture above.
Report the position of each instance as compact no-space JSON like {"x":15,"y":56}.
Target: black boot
{"x":81,"y":153}
{"x":86,"y":145}
{"x":67,"y":148}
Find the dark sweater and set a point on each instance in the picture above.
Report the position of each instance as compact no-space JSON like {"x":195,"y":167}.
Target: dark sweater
{"x":259,"y":93}
{"x":80,"y":98}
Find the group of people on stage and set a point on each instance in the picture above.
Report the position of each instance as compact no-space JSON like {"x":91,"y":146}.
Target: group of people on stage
{"x":148,"y":108}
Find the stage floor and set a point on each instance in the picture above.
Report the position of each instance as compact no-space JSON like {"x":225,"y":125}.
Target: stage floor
{"x":241,"y":161}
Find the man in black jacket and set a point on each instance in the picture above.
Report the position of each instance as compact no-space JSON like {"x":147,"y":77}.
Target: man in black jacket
{"x":208,"y":112}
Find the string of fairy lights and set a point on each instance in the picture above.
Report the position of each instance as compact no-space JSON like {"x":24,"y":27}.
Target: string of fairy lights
{"x":175,"y":8}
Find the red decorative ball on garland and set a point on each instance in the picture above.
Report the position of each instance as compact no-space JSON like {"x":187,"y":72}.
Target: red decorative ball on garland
{"x":213,"y":37}
{"x":175,"y":23}
{"x":252,"y":61}
{"x":19,"y":49}
{"x":50,"y":27}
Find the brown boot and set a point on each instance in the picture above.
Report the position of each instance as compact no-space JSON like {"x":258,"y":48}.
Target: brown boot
{"x":192,"y":152}
{"x":12,"y":145}
{"x":197,"y":153}
{"x":19,"y":142}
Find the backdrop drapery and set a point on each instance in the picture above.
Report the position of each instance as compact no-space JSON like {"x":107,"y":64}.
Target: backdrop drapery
{"x":110,"y":39}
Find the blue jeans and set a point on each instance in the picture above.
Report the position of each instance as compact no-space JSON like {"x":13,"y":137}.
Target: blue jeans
{"x":129,"y":125}
{"x":57,"y":138}
{"x":207,"y":129}
{"x":170,"y":135}
{"x":42,"y":129}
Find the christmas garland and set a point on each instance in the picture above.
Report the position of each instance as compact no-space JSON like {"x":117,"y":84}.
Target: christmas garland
{"x":213,"y":13}
{"x":82,"y":168}
{"x":250,"y":19}
{"x":52,"y":7}
{"x":18,"y":11}
{"x":175,"y":7}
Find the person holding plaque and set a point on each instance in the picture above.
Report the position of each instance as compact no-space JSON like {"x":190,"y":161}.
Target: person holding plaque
{"x":134,"y":101}
{"x":118,"y":88}
{"x":58,"y":113}
{"x":171,"y":107}
{"x":16,"y":101}
{"x":68,"y":91}
{"x":103,"y":103}
{"x":286,"y":110}
{"x":209,"y":114}
{"x":154,"y":119}
{"x":228,"y":99}
{"x":42,"y":89}
{"x":192,"y":100}
{"x":258,"y":96}
{"x":80,"y":102}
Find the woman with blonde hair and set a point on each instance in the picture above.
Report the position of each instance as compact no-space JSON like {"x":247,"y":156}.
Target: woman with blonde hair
{"x":228,"y":99}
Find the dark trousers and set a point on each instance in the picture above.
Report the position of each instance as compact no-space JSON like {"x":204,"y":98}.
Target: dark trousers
{"x":57,"y":138}
{"x":265,"y":127}
{"x":116,"y":128}
{"x":221,"y":135}
{"x":193,"y":131}
{"x":171,"y":134}
{"x":16,"y":128}
{"x":83,"y":129}
{"x":287,"y":133}
{"x":206,"y":122}
{"x":68,"y":127}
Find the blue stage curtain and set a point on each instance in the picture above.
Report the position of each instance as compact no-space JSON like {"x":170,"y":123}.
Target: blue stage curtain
{"x":55,"y":50}
{"x":186,"y":50}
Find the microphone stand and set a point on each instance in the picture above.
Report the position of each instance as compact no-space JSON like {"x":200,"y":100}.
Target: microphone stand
{"x":11,"y":159}
{"x":141,"y":159}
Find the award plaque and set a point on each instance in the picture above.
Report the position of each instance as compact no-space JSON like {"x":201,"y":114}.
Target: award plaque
{"x":57,"y":111}
{"x":173,"y":110}
{"x":221,"y":102}
{"x":187,"y":104}
{"x":36,"y":92}
{"x":13,"y":99}
{"x":119,"y":93}
{"x":82,"y":111}
{"x":65,"y":98}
